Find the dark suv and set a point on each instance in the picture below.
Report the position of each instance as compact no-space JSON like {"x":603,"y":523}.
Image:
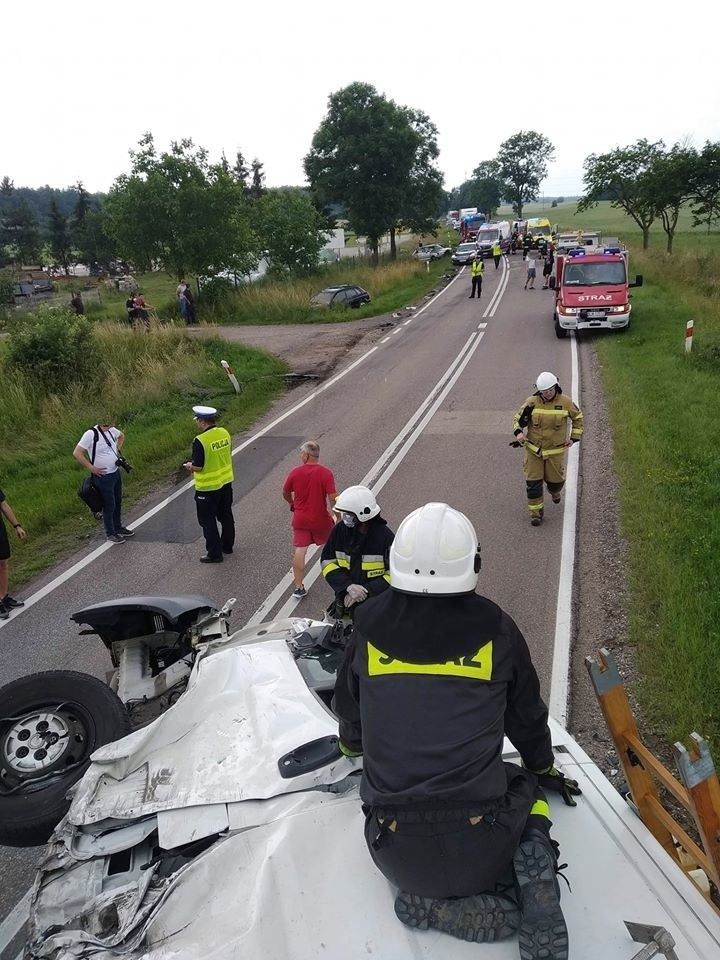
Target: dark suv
{"x":344,"y":295}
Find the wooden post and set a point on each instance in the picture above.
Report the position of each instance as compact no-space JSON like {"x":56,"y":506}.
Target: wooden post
{"x":689,"y":335}
{"x":618,"y":715}
{"x":697,"y":772}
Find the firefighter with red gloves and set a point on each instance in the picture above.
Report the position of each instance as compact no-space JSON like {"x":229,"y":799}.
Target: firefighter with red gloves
{"x":541,"y":426}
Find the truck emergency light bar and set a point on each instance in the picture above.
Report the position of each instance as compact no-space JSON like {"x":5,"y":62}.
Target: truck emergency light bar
{"x":576,"y":252}
{"x":612,"y":250}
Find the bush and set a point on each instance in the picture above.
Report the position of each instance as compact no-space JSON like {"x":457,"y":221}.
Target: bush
{"x":54,"y":348}
{"x":8,"y":283}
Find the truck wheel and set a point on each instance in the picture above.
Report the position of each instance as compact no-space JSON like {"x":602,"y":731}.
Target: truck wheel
{"x":50,"y":724}
{"x":560,"y":332}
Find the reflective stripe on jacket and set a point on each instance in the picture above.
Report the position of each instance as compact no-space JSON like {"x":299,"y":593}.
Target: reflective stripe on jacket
{"x":357,"y":555}
{"x":547,"y":431}
{"x":217,"y":469}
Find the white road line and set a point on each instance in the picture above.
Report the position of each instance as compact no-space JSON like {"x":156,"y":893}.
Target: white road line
{"x":499,"y":291}
{"x":560,"y":679}
{"x":405,"y":440}
{"x":14,"y":921}
{"x":384,"y":339}
{"x":396,"y":332}
{"x":481,"y":326}
{"x":98,"y":551}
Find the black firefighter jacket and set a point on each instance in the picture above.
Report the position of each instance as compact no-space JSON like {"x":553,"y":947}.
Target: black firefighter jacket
{"x":427,"y":689}
{"x":358,"y":554}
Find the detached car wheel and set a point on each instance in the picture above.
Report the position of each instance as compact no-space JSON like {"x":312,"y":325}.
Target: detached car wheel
{"x":50,"y":724}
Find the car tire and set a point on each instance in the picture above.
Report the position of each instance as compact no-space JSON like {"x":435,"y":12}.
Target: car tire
{"x":42,"y":711}
{"x":560,"y":332}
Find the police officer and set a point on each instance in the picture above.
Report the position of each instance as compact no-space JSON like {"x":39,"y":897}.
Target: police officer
{"x":433,"y":676}
{"x":354,"y":560}
{"x":541,"y":426}
{"x":476,"y":271}
{"x":211,"y":467}
{"x":497,"y":253}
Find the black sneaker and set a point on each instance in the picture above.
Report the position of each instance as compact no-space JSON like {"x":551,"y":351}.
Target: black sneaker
{"x":124,"y":532}
{"x":483,"y":918}
{"x":115,"y":538}
{"x":10,"y":603}
{"x":543,"y":932}
{"x":208,"y":559}
{"x":4,"y":612}
{"x":556,"y":498}
{"x":298,"y":593}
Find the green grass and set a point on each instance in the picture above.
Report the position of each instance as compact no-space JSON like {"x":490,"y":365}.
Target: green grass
{"x":148,"y":388}
{"x":662,"y":406}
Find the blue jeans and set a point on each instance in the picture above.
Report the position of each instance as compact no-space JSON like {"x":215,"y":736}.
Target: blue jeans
{"x":110,"y":486}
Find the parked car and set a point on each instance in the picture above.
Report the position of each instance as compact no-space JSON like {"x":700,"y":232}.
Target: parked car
{"x":431,"y":251}
{"x":344,"y":295}
{"x":465,"y":252}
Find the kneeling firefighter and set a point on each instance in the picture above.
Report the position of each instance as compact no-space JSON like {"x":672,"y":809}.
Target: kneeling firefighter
{"x":541,"y":426}
{"x":434,"y":675}
{"x":355,"y":558}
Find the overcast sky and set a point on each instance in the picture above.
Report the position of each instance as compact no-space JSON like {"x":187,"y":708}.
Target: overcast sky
{"x":84,"y":80}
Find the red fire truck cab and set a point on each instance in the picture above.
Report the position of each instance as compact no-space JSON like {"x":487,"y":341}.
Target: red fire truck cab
{"x":591,"y":289}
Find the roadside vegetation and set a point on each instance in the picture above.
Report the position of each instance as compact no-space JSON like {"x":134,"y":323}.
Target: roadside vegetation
{"x":146,"y":383}
{"x":662,"y":405}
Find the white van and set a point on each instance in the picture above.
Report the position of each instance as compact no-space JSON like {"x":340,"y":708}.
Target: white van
{"x":491,"y":233}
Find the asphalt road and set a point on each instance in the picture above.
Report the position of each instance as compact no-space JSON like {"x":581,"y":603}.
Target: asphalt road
{"x":423,"y":412}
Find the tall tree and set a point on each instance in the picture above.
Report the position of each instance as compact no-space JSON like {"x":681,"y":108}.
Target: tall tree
{"x":93,"y":241}
{"x":24,"y":234}
{"x":670,"y":185}
{"x":291,"y":228}
{"x":705,"y":197}
{"x":486,"y":191}
{"x":83,"y":205}
{"x":622,"y":176}
{"x":241,"y":171}
{"x":423,"y":190}
{"x":6,"y":187}
{"x":257,"y":183}
{"x":522,"y":166}
{"x":59,"y":236}
{"x":361,"y":158}
{"x":179,"y":210}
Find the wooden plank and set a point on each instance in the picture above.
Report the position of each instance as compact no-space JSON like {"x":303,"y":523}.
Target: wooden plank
{"x":670,"y":783}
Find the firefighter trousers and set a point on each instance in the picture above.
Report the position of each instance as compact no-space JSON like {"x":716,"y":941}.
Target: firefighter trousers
{"x":539,"y":471}
{"x":447,"y":852}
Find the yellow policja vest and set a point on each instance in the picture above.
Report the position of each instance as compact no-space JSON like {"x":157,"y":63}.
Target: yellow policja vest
{"x":477,"y":268}
{"x":217,"y":470}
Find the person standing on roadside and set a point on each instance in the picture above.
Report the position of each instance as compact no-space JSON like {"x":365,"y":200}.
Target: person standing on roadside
{"x":531,"y":263}
{"x":310,"y":491}
{"x":497,"y":253}
{"x":189,"y":305}
{"x":77,"y":304}
{"x":7,"y":603}
{"x":547,"y":269}
{"x":541,"y":427}
{"x":212,"y":470}
{"x":182,"y":302}
{"x":476,"y":270}
{"x":98,"y":450}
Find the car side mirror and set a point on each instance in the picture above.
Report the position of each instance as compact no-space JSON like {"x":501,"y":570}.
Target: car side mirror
{"x":638,"y":281}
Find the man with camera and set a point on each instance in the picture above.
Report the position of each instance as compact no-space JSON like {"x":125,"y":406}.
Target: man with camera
{"x":98,"y":450}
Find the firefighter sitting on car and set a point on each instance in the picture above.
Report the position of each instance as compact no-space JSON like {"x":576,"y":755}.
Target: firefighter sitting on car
{"x":354,"y":560}
{"x":433,"y":676}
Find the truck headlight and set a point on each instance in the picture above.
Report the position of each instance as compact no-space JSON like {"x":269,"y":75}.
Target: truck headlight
{"x":620,"y":308}
{"x":568,"y":311}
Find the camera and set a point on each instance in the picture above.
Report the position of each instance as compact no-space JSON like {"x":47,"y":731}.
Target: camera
{"x":122,"y":462}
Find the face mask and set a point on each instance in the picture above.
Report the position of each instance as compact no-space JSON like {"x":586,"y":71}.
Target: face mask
{"x":349,"y":519}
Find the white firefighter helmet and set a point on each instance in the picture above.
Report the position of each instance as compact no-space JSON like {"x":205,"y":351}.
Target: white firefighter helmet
{"x":545,"y":381}
{"x":358,"y":500}
{"x":435,"y":551}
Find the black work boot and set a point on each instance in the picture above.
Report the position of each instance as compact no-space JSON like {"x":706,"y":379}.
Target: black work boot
{"x":483,"y":918}
{"x":543,"y":932}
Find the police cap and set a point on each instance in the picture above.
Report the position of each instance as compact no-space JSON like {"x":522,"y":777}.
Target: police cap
{"x":204,"y":413}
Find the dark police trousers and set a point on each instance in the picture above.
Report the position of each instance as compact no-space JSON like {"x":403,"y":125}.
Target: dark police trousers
{"x":213,"y":507}
{"x":444,"y":851}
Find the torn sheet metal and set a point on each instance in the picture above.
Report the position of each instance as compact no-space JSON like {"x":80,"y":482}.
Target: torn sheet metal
{"x":243,"y":710}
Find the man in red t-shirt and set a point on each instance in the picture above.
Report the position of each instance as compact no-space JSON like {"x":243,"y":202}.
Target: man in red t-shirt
{"x":310,"y":491}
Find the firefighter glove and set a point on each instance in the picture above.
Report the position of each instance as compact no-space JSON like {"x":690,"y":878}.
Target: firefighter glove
{"x":346,"y":751}
{"x":552,"y":779}
{"x":355,"y":594}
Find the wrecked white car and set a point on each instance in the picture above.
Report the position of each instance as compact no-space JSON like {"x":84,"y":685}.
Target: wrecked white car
{"x":230,"y":827}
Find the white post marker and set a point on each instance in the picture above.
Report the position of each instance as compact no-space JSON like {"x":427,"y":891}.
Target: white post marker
{"x":689,"y":335}
{"x":231,"y":376}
